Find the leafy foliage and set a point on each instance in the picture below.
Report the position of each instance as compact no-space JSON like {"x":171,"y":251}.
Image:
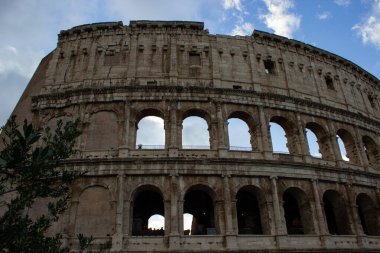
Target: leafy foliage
{"x":31,"y":169}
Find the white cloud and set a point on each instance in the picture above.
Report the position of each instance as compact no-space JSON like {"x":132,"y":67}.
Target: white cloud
{"x":232,"y":4}
{"x":279,"y":18}
{"x":342,"y":2}
{"x":243,"y":29}
{"x":369,"y":28}
{"x":151,"y":131}
{"x":24,"y":63}
{"x":324,"y":15}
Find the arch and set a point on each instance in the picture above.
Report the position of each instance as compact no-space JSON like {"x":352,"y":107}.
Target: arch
{"x":324,"y":147}
{"x":241,"y":131}
{"x":252,"y":211}
{"x":156,"y":224}
{"x":149,"y":112}
{"x":95,"y":213}
{"x":371,"y":151}
{"x":197,"y":113}
{"x":196,"y":133}
{"x":199,"y":202}
{"x":349,"y":146}
{"x":336,"y":213}
{"x":102,"y":132}
{"x":297,"y":212}
{"x":150,"y":133}
{"x":187,"y":222}
{"x":147,"y":201}
{"x":283,"y":135}
{"x":368,"y":214}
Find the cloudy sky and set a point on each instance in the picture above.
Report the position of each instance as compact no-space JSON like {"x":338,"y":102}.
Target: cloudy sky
{"x":29,"y":28}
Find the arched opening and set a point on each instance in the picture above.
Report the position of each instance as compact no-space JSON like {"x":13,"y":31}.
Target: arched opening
{"x":312,"y":141}
{"x":241,"y":131}
{"x":239,"y":135}
{"x":195,"y":133}
{"x":347,"y":146}
{"x":249,"y":205}
{"x":371,"y":151}
{"x":187,"y":223}
{"x":148,"y":203}
{"x":156,"y":224}
{"x":297,"y":212}
{"x":279,"y":139}
{"x":368,"y":214}
{"x":97,"y":220}
{"x":200,"y":205}
{"x":336,"y":213}
{"x":102,"y":132}
{"x":318,"y":140}
{"x":150,"y":133}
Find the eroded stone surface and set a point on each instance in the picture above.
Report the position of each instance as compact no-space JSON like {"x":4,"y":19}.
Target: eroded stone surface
{"x":111,"y":76}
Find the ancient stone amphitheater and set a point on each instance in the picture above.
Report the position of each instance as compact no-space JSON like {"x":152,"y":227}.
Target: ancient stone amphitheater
{"x":111,"y":76}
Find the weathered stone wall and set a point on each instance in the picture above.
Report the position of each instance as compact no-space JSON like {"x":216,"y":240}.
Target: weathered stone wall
{"x":110,"y":76}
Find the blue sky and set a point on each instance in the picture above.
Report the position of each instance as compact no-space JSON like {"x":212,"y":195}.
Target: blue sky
{"x":29,"y":28}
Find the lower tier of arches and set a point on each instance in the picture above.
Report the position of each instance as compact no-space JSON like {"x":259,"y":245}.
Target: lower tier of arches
{"x":229,"y":211}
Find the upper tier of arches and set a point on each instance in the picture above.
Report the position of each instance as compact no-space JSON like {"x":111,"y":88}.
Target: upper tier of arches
{"x":209,"y":128}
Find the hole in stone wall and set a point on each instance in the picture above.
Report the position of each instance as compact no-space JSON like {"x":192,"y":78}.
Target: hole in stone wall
{"x":292,"y":215}
{"x":199,"y":204}
{"x":194,"y":59}
{"x":187,"y":223}
{"x":156,"y":224}
{"x":312,"y":141}
{"x":150,"y":133}
{"x":279,"y":139}
{"x":195,"y":134}
{"x":336,"y":213}
{"x":146,"y":204}
{"x":269,"y":67}
{"x":248,"y":211}
{"x":239,"y":135}
{"x":371,"y":150}
{"x":368,"y":215}
{"x":329,"y":83}
{"x":372,"y":101}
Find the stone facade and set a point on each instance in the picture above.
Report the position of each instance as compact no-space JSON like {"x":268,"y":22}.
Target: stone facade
{"x":111,"y":76}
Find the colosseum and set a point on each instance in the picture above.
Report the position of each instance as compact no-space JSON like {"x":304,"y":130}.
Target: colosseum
{"x":251,"y":199}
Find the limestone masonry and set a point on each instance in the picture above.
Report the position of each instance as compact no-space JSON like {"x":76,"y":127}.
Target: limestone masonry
{"x":111,"y":76}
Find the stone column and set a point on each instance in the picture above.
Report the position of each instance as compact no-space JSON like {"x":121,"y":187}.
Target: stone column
{"x":174,"y":234}
{"x":334,"y":143}
{"x":360,"y":148}
{"x":267,"y":147}
{"x":117,"y":238}
{"x":174,"y":198}
{"x":132,"y":134}
{"x":320,"y":213}
{"x":128,"y":217}
{"x":222,"y":132}
{"x":131,"y":72}
{"x":124,"y":149}
{"x":173,"y":125}
{"x":72,"y":218}
{"x":302,"y":139}
{"x":173,"y":73}
{"x":229,"y":231}
{"x":215,"y":65}
{"x":219,"y":215}
{"x":353,"y":214}
{"x":276,"y":208}
{"x":213,"y":133}
{"x":180,"y":216}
